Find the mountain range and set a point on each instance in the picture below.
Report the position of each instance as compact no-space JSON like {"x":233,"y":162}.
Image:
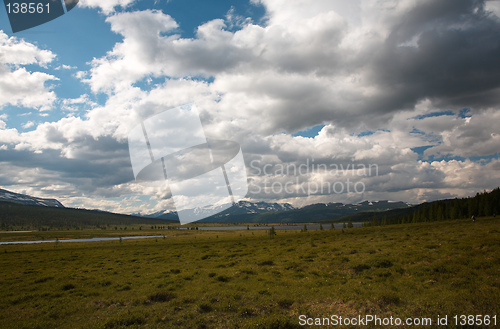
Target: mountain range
{"x":28,"y":200}
{"x":19,"y":211}
{"x":241,"y":208}
{"x":243,"y":211}
{"x":263,"y":212}
{"x":24,"y":212}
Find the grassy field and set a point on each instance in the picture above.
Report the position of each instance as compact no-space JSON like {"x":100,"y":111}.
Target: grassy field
{"x":246,"y":279}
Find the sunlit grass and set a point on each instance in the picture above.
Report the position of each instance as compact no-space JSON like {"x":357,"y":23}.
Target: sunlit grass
{"x":245,"y":278}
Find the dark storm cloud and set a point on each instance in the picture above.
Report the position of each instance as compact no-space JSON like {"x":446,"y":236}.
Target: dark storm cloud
{"x":446,"y":51}
{"x":380,"y":67}
{"x":454,"y":59}
{"x":94,"y":163}
{"x":308,"y":70}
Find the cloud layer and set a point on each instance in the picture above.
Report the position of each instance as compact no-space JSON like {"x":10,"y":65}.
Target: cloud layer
{"x":18,"y":86}
{"x":385,"y":79}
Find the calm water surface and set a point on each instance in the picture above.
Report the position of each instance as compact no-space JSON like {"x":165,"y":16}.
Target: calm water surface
{"x":276,"y":227}
{"x":84,"y":240}
{"x":206,"y":228}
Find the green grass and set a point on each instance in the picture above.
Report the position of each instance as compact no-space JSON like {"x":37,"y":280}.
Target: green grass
{"x":246,"y":279}
{"x":86,"y":234}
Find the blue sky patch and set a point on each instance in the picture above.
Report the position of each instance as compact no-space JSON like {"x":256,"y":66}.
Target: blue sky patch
{"x":309,"y":133}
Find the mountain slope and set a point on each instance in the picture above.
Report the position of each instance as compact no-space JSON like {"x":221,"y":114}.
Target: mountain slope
{"x":19,"y":216}
{"x":28,"y":212}
{"x":263,"y":212}
{"x":28,"y":200}
{"x":242,"y":209}
{"x":315,"y":212}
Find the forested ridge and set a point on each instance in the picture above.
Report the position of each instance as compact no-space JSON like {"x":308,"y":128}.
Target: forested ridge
{"x":15,"y":216}
{"x":482,"y":204}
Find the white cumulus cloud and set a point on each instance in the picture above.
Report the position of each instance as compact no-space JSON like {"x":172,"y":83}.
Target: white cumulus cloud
{"x":18,"y":86}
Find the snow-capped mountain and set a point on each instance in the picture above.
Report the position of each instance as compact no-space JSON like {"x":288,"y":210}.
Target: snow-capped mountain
{"x":263,"y":212}
{"x":239,"y":209}
{"x":28,"y":200}
{"x":246,"y":207}
{"x":164,"y":214}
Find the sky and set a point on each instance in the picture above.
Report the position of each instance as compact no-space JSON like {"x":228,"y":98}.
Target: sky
{"x":330,"y":101}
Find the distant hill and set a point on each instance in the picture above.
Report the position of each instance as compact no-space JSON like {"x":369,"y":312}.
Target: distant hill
{"x":230,"y":215}
{"x":322,"y":211}
{"x":28,"y":200}
{"x":15,"y":216}
{"x":27,"y":212}
{"x":19,"y":210}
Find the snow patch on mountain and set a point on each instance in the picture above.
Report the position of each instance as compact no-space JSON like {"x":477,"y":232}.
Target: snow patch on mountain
{"x":28,"y":200}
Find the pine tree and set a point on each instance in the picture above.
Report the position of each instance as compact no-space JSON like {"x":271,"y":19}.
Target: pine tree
{"x":272,"y":232}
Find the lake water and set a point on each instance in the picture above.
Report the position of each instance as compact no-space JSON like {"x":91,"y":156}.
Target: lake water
{"x":205,"y":228}
{"x":84,"y":240}
{"x":276,"y":227}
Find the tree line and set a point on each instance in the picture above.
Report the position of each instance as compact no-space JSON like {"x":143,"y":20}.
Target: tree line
{"x":482,"y":204}
{"x":14,"y":216}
